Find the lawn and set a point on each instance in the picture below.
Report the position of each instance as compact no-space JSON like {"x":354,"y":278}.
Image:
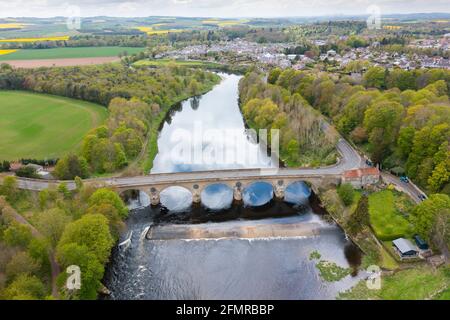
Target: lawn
{"x":75,"y":52}
{"x":43,"y":126}
{"x":385,"y":216}
{"x":418,"y":283}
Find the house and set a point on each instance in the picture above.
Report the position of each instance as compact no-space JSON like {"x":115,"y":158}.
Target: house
{"x":360,"y":178}
{"x":14,"y":166}
{"x":404,"y":248}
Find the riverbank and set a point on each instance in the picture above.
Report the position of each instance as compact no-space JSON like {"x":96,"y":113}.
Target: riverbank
{"x":399,"y":280}
{"x":374,"y":251}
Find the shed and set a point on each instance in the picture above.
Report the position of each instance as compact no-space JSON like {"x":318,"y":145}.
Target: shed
{"x":405,"y":248}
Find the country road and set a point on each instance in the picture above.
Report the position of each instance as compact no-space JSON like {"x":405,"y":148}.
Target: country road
{"x":406,"y":187}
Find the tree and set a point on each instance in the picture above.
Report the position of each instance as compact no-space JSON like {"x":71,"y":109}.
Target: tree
{"x":91,"y":269}
{"x":91,"y":231}
{"x":115,"y":221}
{"x":293,"y":149}
{"x":17,"y":235}
{"x":375,"y":78}
{"x":346,"y":193}
{"x":51,"y":224}
{"x":423,"y":216}
{"x":78,"y":183}
{"x":9,"y":188}
{"x":441,"y":231}
{"x":43,"y":198}
{"x":25,"y":287}
{"x":360,"y":218}
{"x":382,"y":121}
{"x":440,"y":175}
{"x":21,"y":263}
{"x":71,"y":166}
{"x":107,"y":196}
{"x":64,"y":190}
{"x":405,"y":141}
{"x":273,"y":75}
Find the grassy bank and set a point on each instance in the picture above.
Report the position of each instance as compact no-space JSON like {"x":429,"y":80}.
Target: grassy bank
{"x":419,"y":283}
{"x":374,"y":252}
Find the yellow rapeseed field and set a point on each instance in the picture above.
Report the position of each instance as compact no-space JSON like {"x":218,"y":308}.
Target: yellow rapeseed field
{"x":225,"y":23}
{"x":62,"y":38}
{"x":392,"y":27}
{"x":3,"y":52}
{"x":150,"y":30}
{"x":11,"y":25}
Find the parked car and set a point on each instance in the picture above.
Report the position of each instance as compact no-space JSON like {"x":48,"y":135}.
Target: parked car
{"x":369,"y":163}
{"x":404,"y":179}
{"x":422,"y":197}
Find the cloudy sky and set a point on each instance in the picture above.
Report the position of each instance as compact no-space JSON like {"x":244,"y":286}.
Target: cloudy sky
{"x":215,"y":8}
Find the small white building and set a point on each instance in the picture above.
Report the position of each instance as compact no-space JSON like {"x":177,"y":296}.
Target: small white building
{"x":360,"y":178}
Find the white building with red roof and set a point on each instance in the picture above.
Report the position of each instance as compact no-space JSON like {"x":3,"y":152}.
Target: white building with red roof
{"x":360,"y":178}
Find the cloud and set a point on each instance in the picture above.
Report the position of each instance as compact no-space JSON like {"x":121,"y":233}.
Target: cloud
{"x":216,"y":8}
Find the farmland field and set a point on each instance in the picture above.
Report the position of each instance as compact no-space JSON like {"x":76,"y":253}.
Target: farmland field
{"x":185,"y":63}
{"x":63,"y":53}
{"x":42,"y":126}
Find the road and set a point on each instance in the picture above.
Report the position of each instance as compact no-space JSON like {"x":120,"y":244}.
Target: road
{"x":349,"y":159}
{"x":408,"y":188}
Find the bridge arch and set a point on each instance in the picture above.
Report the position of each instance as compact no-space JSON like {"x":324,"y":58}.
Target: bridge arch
{"x":297,"y":192}
{"x":175,"y":198}
{"x":217,"y":196}
{"x":135,"y":198}
{"x":258,"y":193}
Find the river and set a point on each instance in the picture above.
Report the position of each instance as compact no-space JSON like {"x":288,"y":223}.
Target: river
{"x":224,"y":250}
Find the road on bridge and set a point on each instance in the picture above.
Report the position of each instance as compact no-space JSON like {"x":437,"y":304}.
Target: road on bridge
{"x":349,"y":159}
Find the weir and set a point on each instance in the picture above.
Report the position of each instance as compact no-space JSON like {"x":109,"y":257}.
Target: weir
{"x":268,"y":228}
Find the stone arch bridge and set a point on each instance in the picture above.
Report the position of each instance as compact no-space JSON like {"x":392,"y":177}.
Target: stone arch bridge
{"x":237,"y":180}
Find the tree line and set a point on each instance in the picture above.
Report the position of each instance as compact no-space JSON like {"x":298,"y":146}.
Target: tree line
{"x":305,"y":138}
{"x":76,"y":227}
{"x":135,"y":98}
{"x":402,"y":118}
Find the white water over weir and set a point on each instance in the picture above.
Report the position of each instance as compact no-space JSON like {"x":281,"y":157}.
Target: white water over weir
{"x":281,"y":228}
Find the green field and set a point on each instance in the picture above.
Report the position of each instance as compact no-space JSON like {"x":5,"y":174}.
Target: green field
{"x":62,"y":53}
{"x":42,"y":126}
{"x":385,"y":216}
{"x":419,"y":283}
{"x":185,"y":63}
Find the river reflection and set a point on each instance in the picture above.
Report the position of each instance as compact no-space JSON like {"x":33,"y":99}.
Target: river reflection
{"x":213,"y":127}
{"x":260,"y":268}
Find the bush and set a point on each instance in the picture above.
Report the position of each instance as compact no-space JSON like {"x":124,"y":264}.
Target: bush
{"x":360,"y":218}
{"x":25,"y":287}
{"x":346,"y":193}
{"x":27,"y":172}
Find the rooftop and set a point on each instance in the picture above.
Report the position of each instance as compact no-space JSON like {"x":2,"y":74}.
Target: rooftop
{"x":404,"y":245}
{"x":358,"y":173}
